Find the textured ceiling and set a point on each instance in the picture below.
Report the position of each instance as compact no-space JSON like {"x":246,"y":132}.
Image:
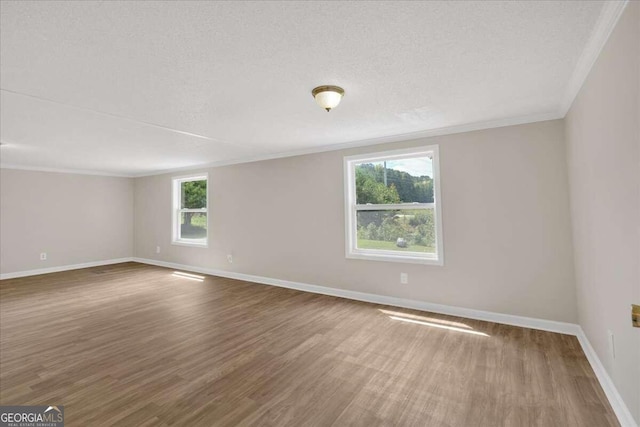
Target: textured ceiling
{"x":137,"y":87}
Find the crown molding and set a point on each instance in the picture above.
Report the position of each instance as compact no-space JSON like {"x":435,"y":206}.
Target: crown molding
{"x":447,"y":130}
{"x":607,"y":20}
{"x":609,"y":16}
{"x":62,"y":170}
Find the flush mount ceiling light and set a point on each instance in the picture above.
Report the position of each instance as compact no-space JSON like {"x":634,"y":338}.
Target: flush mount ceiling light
{"x":328,"y":97}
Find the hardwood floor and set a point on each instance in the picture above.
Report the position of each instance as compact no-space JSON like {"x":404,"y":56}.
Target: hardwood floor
{"x":135,"y":345}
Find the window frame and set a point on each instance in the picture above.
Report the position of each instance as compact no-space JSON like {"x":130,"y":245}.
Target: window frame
{"x":351,"y":207}
{"x":176,"y":192}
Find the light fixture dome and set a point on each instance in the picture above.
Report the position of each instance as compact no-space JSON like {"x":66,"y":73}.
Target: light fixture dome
{"x":327,"y":96}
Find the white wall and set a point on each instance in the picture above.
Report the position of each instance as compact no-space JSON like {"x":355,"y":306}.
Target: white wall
{"x":74,"y":218}
{"x":507,"y":235}
{"x":603,"y":152}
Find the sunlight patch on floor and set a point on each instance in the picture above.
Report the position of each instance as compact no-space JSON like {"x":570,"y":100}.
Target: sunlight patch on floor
{"x":188,"y":276}
{"x":435,"y":325}
{"x":426,"y":319}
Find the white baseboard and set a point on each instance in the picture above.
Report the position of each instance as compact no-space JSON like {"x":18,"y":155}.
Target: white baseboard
{"x":63,"y":268}
{"x":507,"y":319}
{"x":619,"y":407}
{"x":622,"y":412}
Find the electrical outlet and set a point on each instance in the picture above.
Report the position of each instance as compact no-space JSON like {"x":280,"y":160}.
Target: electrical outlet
{"x":157,"y":249}
{"x":404,"y":278}
{"x":612,"y":344}
{"x":230,"y":258}
{"x":43,"y":256}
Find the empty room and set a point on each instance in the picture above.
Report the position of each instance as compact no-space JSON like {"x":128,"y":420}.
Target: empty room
{"x":320,"y":213}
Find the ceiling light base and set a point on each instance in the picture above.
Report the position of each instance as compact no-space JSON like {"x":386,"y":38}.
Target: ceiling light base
{"x":328,"y":96}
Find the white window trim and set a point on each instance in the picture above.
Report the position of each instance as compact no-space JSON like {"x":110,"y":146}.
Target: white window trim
{"x":176,"y":182}
{"x":351,"y":249}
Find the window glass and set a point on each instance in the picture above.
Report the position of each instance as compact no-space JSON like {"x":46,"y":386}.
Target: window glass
{"x":395,"y":181}
{"x":391,"y":206}
{"x":190,"y":211}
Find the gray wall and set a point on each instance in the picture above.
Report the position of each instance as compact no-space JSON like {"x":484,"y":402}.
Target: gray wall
{"x":603,"y":151}
{"x":507,"y":230}
{"x":507,"y":238}
{"x":74,"y":218}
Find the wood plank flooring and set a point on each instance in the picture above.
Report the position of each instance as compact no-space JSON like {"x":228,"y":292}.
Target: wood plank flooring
{"x":135,"y":345}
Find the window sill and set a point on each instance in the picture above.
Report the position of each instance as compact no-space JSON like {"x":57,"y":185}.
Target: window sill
{"x":191,"y":244}
{"x":396,"y":258}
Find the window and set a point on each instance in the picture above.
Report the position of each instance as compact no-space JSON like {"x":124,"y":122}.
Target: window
{"x":392,"y":206}
{"x":190,"y":210}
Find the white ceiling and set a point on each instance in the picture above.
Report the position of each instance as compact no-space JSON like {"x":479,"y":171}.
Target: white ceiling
{"x":134,"y":88}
